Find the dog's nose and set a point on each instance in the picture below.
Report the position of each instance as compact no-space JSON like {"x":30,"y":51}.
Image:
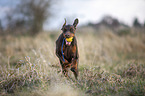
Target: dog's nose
{"x":67,"y":35}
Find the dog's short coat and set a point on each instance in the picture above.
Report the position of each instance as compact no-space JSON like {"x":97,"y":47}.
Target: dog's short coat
{"x":68,"y":55}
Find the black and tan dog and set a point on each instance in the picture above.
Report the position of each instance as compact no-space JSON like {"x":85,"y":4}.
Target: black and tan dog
{"x":66,"y":49}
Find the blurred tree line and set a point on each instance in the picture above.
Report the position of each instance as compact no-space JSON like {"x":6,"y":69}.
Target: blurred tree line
{"x":115,"y":25}
{"x":27,"y":17}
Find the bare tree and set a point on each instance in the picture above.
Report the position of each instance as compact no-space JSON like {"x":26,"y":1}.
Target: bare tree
{"x":29,"y":15}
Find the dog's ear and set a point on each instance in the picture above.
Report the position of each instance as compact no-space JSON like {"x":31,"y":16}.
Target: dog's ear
{"x":64,"y":24}
{"x":75,"y":23}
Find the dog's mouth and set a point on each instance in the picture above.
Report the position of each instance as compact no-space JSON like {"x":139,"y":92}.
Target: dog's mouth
{"x":67,"y":43}
{"x":68,"y":40}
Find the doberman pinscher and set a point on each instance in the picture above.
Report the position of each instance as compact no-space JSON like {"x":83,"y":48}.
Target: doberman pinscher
{"x":66,"y":49}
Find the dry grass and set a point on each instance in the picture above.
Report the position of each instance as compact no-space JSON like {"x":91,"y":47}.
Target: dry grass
{"x":109,"y":65}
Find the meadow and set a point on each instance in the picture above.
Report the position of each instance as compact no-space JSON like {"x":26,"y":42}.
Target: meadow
{"x":111,"y":64}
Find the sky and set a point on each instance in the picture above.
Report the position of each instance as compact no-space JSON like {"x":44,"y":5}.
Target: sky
{"x":87,"y":11}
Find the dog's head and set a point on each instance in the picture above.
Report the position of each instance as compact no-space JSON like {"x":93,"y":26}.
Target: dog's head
{"x":69,"y":30}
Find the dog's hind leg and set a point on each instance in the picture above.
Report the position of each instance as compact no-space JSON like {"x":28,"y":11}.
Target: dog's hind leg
{"x":75,"y":71}
{"x":74,"y":68}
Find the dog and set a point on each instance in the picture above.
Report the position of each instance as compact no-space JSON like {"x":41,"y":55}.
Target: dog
{"x":67,"y":50}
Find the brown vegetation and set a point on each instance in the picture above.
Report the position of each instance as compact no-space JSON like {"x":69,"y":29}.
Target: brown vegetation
{"x":109,"y":64}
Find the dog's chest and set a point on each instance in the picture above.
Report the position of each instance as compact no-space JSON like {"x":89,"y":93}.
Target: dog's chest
{"x":68,"y":52}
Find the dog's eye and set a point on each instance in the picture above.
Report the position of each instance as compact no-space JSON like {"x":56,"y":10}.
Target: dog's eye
{"x":65,"y":30}
{"x":71,"y":30}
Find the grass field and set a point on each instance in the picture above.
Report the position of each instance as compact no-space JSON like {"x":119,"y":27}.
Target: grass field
{"x":110,"y":64}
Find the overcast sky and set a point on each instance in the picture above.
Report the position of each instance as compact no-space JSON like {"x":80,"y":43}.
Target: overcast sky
{"x":88,"y":11}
